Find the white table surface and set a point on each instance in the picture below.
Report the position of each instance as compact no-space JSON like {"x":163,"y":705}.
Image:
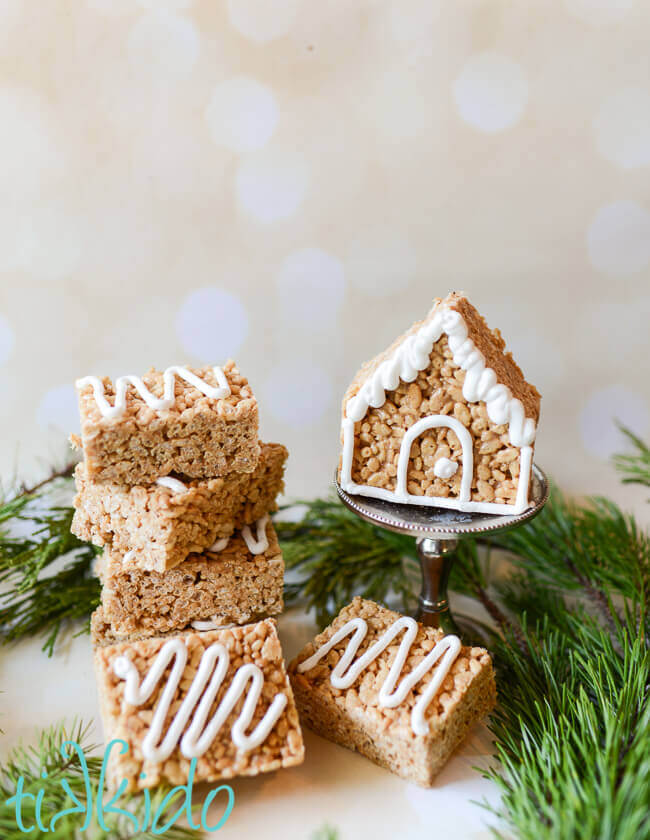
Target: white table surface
{"x":334,"y":786}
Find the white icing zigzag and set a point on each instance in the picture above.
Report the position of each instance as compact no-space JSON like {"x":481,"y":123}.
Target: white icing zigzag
{"x":389,"y":696}
{"x":412,"y":356}
{"x":212,"y":670}
{"x":156,"y":403}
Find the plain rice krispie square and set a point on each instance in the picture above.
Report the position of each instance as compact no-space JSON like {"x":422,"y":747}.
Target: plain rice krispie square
{"x":232,"y":586}
{"x":255,"y":644}
{"x":198,"y":436}
{"x":354,"y":718}
{"x":162,"y":526}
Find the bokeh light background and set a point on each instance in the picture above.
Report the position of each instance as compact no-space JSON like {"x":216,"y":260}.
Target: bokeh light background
{"x":291,"y":183}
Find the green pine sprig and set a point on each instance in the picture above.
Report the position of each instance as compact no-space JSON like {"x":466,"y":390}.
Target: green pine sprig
{"x":634,"y":467}
{"x":571,"y":729}
{"x":335,"y":556}
{"x":45,"y":571}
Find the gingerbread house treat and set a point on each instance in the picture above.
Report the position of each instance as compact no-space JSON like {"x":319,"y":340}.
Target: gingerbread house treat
{"x":217,"y":704}
{"x":199,"y":423}
{"x":159,"y":525}
{"x":401,"y":694}
{"x":241,"y":581}
{"x":444,"y":417}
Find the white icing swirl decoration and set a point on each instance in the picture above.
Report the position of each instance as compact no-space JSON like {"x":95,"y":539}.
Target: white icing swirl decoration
{"x":196,"y":739}
{"x":156,"y":403}
{"x":346,"y":672}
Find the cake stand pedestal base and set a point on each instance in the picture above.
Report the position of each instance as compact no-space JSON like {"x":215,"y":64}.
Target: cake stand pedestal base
{"x":437,"y":532}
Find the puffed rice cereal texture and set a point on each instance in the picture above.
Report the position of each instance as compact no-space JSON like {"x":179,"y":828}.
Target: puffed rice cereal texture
{"x":163,"y":526}
{"x":438,"y":390}
{"x":255,"y":643}
{"x":198,"y":437}
{"x":354,"y":718}
{"x":232,"y":586}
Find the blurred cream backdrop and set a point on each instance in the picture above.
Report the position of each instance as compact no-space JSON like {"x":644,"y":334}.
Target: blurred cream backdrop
{"x":292,"y":182}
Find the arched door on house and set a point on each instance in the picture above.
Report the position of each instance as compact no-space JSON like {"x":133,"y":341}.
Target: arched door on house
{"x":433,"y":422}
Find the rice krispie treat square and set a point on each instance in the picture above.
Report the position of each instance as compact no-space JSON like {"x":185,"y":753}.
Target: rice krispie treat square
{"x":220,"y":697}
{"x":401,"y":694}
{"x":161,"y":524}
{"x":242,"y":582}
{"x":197,"y":422}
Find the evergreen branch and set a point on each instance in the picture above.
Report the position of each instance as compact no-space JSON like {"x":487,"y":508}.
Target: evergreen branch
{"x":43,"y":767}
{"x":634,"y":467}
{"x":572,"y":733}
{"x":591,"y":547}
{"x":45,"y":571}
{"x":571,"y":730}
{"x":504,"y":624}
{"x":65,"y":471}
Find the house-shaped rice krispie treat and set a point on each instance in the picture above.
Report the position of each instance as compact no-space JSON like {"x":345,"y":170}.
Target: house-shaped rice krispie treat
{"x":401,"y":694}
{"x":161,"y":524}
{"x":197,"y":422}
{"x":221,"y":697}
{"x":444,"y":418}
{"x":239,"y":582}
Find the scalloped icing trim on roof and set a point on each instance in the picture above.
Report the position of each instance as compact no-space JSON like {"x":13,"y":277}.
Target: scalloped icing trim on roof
{"x":412,"y":356}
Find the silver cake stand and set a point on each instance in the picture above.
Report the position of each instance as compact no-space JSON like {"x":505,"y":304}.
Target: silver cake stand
{"x":437,"y":532}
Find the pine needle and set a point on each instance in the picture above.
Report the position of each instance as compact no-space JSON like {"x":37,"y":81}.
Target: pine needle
{"x":337,"y":556}
{"x":572,"y":734}
{"x":635,"y":467}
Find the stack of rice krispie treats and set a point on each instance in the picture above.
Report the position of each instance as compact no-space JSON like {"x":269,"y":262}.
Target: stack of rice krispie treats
{"x":177,"y":488}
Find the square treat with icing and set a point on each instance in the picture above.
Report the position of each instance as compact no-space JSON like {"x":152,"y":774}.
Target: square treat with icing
{"x":161,"y":524}
{"x":444,"y":418}
{"x":401,"y":694}
{"x":197,"y":422}
{"x":241,"y":581}
{"x":222,"y":697}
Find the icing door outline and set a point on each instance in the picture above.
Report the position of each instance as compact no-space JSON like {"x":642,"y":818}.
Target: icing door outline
{"x":435,"y":422}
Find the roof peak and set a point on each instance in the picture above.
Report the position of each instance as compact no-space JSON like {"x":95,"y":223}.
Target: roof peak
{"x":411,"y":355}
